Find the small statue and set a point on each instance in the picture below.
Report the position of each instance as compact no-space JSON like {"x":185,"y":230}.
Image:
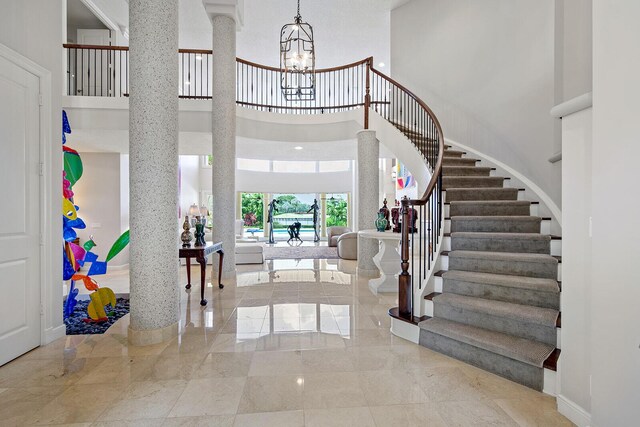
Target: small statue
{"x":294,"y":231}
{"x":395,"y":217}
{"x":200,"y":232}
{"x":385,"y":211}
{"x":315,"y":208}
{"x":186,"y":235}
{"x":273,"y":207}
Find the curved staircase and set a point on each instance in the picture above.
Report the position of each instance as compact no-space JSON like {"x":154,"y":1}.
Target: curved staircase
{"x":500,"y":299}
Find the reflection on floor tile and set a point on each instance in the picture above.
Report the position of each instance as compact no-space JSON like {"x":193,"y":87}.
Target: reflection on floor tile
{"x":287,"y":343}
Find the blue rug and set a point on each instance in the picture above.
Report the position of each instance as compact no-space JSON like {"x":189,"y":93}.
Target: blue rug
{"x":77,"y":326}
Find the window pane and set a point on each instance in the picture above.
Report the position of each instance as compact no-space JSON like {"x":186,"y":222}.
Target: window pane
{"x":253,"y":165}
{"x":294,"y":166}
{"x":335,"y":165}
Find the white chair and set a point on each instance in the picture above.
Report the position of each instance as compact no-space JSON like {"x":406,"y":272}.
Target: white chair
{"x":334,"y":232}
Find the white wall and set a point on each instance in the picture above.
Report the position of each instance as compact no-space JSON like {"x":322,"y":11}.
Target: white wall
{"x":344,"y":31}
{"x":99,"y":194}
{"x":575,"y":361}
{"x":190,"y":182}
{"x":573,"y":48}
{"x":487,"y":70}
{"x":615,"y":309}
{"x":34,"y":29}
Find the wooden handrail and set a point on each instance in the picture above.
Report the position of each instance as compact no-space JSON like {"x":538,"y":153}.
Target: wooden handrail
{"x":437,"y":169}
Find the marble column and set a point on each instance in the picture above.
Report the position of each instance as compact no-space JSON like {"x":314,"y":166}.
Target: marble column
{"x":368,"y":197}
{"x":224,"y":139}
{"x":153,"y":171}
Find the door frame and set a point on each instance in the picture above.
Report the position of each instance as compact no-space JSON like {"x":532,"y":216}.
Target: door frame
{"x":51,"y":325}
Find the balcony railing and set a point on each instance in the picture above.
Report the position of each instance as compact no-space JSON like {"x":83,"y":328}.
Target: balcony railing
{"x":104,"y":71}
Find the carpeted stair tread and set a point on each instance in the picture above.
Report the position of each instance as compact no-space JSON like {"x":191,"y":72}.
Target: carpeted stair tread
{"x":515,"y":312}
{"x":506,"y":280}
{"x":489,"y":207}
{"x":501,"y":242}
{"x":538,"y":258}
{"x":458,"y":161}
{"x":448,"y":170}
{"x":526,"y":351}
{"x":477,"y":194}
{"x":453,"y":153}
{"x":513,"y":263}
{"x":502,"y":236}
{"x":498,"y":223}
{"x":472,"y":182}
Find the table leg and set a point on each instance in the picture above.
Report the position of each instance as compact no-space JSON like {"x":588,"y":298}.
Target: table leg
{"x":203,"y":273}
{"x":188,"y":274}
{"x":221,"y":253}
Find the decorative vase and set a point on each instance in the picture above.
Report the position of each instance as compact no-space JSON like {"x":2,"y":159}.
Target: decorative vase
{"x":381,"y":222}
{"x":200,"y":233}
{"x":186,"y":235}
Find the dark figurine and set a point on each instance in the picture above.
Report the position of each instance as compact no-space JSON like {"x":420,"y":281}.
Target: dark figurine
{"x":294,"y":231}
{"x":315,"y":208}
{"x":395,"y":217}
{"x":273,"y":207}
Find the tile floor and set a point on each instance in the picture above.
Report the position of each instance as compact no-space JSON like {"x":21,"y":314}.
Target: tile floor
{"x":290,"y":343}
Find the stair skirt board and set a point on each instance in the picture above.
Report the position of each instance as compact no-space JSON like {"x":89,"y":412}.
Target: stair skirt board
{"x":511,"y":369}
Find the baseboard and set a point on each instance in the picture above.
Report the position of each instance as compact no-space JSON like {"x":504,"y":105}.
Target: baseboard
{"x":53,"y":334}
{"x":405,"y":330}
{"x":574,"y":412}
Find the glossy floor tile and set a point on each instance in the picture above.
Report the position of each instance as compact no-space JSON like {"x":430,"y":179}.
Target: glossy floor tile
{"x":287,"y":343}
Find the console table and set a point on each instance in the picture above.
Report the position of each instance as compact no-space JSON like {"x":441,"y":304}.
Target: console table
{"x":387,"y":260}
{"x":200,"y":253}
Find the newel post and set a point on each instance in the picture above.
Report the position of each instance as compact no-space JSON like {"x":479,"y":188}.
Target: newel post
{"x":367,"y":94}
{"x":404,"y":279}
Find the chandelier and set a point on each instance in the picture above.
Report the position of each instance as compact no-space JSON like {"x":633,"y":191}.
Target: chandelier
{"x":297,"y":60}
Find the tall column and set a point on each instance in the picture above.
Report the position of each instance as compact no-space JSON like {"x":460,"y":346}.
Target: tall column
{"x":153,"y":171}
{"x":224,"y":138}
{"x":323,"y":215}
{"x":368,"y":195}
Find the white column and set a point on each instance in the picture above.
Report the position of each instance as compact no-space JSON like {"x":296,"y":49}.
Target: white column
{"x":368,"y":195}
{"x":224,"y":138}
{"x":153,"y":171}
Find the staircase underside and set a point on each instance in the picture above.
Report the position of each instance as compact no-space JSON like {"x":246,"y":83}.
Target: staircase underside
{"x":499,"y":304}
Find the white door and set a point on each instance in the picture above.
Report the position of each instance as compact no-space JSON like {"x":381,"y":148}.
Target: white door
{"x":95,"y":65}
{"x":19,"y":211}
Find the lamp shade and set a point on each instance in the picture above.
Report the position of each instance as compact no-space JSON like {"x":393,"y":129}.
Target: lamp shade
{"x":194,"y":210}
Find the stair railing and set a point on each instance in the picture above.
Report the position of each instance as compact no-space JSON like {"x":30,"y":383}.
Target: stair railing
{"x":104,"y":71}
{"x":422,"y":219}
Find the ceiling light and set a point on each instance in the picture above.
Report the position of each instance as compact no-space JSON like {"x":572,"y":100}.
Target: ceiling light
{"x":297,"y":60}
{"x":297,"y":147}
{"x":381,"y":65}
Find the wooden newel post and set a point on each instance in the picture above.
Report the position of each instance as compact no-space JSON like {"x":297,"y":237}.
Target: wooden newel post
{"x":404,"y":279}
{"x":367,"y":94}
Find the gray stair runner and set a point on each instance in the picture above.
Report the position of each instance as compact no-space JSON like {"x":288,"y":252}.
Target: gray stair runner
{"x":465,"y":171}
{"x":490,"y":208}
{"x":501,"y":242}
{"x":461,"y":194}
{"x":500,"y":296}
{"x":472,"y":182}
{"x":501,"y":287}
{"x":496,"y":224}
{"x":534,"y":323}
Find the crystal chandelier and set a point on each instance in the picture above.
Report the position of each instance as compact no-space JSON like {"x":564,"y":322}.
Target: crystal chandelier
{"x":297,"y":60}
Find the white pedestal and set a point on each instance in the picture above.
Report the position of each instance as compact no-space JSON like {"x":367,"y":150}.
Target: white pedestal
{"x":387,"y":260}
